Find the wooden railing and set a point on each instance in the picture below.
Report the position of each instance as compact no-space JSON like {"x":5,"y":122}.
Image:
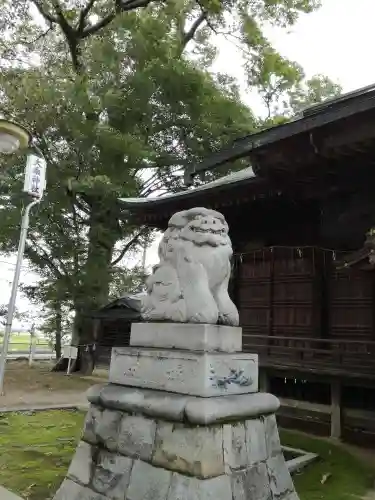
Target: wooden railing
{"x":355,"y":358}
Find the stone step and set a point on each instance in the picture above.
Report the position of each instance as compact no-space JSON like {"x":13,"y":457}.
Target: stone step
{"x":8,"y":495}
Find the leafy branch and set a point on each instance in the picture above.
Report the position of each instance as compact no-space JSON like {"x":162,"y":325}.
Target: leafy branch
{"x":189,"y":35}
{"x":38,"y":254}
{"x":128,"y":246}
{"x":75,"y":34}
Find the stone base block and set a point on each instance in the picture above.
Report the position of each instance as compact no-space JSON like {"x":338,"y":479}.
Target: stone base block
{"x":187,"y":336}
{"x":198,"y":374}
{"x":152,"y":483}
{"x":201,"y":451}
{"x":159,"y":460}
{"x":69,"y":490}
{"x":131,"y":450}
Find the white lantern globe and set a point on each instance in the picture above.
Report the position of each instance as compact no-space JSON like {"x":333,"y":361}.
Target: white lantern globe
{"x":12,"y":137}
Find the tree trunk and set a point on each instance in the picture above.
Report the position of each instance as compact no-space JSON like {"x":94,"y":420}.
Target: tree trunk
{"x":94,"y":288}
{"x":59,"y":331}
{"x":83,"y":335}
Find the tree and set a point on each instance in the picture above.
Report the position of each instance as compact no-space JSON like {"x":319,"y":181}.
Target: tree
{"x":56,"y":319}
{"x":57,"y":327}
{"x":283,"y":86}
{"x":96,"y":152}
{"x":317,"y":89}
{"x":74,"y":22}
{"x":128,"y":281}
{"x":4,"y":314}
{"x":118,"y":114}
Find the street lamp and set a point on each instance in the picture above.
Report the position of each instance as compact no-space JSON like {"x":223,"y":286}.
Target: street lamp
{"x":14,"y":137}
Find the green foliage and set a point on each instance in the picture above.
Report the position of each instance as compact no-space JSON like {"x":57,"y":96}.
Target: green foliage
{"x":287,"y":99}
{"x":138,"y":113}
{"x":4,"y":313}
{"x":120,"y":100}
{"x":315,"y":90}
{"x":127,"y":281}
{"x":57,"y":328}
{"x":275,"y":77}
{"x":55,"y":322}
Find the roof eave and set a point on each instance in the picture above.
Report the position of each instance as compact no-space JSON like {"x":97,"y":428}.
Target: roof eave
{"x":135,"y":205}
{"x":249,"y":145}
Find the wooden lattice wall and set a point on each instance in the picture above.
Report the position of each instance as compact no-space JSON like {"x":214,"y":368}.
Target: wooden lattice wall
{"x":295,"y":295}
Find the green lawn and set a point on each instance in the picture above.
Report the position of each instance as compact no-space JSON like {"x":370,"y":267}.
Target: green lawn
{"x":348,"y":477}
{"x":36,"y":449}
{"x":21,"y":342}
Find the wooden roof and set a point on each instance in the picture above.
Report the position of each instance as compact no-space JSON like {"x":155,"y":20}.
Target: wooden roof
{"x":317,"y":132}
{"x":329,"y":138}
{"x":127,"y":307}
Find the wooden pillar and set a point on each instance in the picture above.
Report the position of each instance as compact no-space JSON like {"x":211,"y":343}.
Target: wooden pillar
{"x":264,"y":385}
{"x":336,"y":409}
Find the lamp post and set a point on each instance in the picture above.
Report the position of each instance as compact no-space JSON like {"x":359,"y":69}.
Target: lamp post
{"x":14,"y":137}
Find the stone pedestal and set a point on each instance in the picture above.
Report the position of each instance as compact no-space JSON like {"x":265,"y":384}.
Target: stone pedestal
{"x":216,"y":438}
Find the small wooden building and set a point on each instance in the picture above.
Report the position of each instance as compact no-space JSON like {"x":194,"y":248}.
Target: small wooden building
{"x":112,"y":326}
{"x":303,"y":280}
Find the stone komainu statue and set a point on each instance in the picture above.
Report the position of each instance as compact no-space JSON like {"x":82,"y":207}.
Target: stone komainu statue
{"x":190,"y":284}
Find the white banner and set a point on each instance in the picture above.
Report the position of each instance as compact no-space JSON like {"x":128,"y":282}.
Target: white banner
{"x":35,"y":177}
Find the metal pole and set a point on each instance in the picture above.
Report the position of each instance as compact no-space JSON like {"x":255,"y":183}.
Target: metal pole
{"x":32,"y":344}
{"x":13,"y":296}
{"x":144,"y":258}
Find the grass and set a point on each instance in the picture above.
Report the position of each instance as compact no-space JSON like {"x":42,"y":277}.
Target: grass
{"x":36,"y":450}
{"x":349,"y":477}
{"x":21,"y":342}
{"x":18,"y":342}
{"x":39,"y":377}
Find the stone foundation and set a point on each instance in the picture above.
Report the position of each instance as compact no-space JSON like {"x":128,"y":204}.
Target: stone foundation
{"x":141,"y":444}
{"x":135,"y":457}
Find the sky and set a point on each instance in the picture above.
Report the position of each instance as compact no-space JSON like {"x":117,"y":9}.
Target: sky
{"x":336,"y":41}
